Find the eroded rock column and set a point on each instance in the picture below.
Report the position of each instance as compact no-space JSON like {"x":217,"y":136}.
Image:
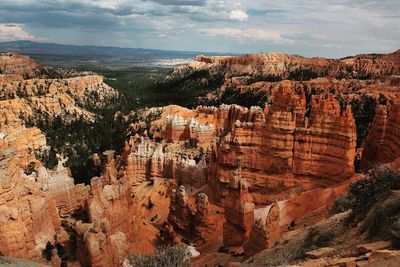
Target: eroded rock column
{"x":239,"y":212}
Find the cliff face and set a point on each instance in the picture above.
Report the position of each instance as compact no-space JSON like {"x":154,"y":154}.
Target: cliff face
{"x":239,"y":212}
{"x":44,"y":100}
{"x":309,"y":148}
{"x":37,"y":202}
{"x":148,"y":159}
{"x":19,"y":67}
{"x":281,"y":140}
{"x":104,"y":239}
{"x":382,"y":144}
{"x":233,"y":176}
{"x":326,"y":146}
{"x":265,"y":231}
{"x":29,"y":219}
{"x":288,"y":67}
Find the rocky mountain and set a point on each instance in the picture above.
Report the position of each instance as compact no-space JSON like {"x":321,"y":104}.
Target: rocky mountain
{"x":283,"y":66}
{"x":61,"y":55}
{"x":256,"y":185}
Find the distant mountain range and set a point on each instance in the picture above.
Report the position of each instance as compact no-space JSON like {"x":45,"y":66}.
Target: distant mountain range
{"x":98,"y":56}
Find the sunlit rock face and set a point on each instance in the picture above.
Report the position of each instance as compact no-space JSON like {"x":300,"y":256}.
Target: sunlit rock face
{"x":239,"y":212}
{"x":265,"y":231}
{"x":105,"y":239}
{"x":288,"y":66}
{"x":281,"y":140}
{"x":18,"y":67}
{"x":215,"y":176}
{"x":36,"y":201}
{"x":178,"y":129}
{"x":147,"y":159}
{"x":208,"y":224}
{"x":326,"y":146}
{"x":29,"y":219}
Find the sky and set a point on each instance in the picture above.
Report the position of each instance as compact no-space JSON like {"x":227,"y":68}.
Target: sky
{"x":309,"y":28}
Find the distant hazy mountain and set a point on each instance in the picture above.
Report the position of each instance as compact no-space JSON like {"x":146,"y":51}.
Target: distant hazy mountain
{"x":98,"y":56}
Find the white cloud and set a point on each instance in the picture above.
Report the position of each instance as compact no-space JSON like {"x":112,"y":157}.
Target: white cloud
{"x":246,"y":35}
{"x":238,"y":15}
{"x":12,"y":32}
{"x":328,"y":28}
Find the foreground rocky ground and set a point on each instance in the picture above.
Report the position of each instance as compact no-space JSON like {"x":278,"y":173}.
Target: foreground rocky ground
{"x":243,"y":185}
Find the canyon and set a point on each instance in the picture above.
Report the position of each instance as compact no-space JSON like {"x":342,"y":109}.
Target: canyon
{"x":233,"y":181}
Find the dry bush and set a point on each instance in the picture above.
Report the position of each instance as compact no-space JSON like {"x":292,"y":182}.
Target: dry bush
{"x":168,"y":256}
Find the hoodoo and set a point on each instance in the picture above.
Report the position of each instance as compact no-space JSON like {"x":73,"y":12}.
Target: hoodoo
{"x":271,"y":181}
{"x":239,"y":211}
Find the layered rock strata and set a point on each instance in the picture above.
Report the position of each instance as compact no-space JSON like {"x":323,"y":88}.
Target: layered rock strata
{"x":148,"y":160}
{"x":178,"y":129}
{"x":291,"y":66}
{"x":19,"y":67}
{"x":265,"y":232}
{"x":326,"y":146}
{"x":382,"y":144}
{"x":195,"y":218}
{"x":239,"y":212}
{"x":281,"y":140}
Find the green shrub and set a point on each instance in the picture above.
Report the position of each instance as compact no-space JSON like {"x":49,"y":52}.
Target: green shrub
{"x":383,"y":221}
{"x":367,"y":192}
{"x":316,"y":239}
{"x":284,"y":256}
{"x":223,"y":250}
{"x":341,"y":204}
{"x":5,"y":261}
{"x":168,"y":256}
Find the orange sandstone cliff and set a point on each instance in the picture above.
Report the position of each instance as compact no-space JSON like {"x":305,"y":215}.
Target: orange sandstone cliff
{"x":220,"y":178}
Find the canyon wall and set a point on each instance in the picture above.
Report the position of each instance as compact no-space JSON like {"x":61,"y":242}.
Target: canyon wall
{"x":281,"y":140}
{"x":19,"y":67}
{"x":382,"y":144}
{"x":215,"y":176}
{"x":290,"y":66}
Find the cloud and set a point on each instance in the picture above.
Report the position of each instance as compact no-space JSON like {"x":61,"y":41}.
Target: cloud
{"x":238,"y":15}
{"x":246,"y":35}
{"x":327,"y":28}
{"x":14,"y":32}
{"x":180,"y":2}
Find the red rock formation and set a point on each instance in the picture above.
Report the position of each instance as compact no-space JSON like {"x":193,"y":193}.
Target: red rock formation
{"x":112,"y":230}
{"x":195,"y":219}
{"x":148,"y":160}
{"x":382,"y":144}
{"x":326,"y":146}
{"x":18,"y":67}
{"x":29,"y":219}
{"x":175,"y":129}
{"x":181,"y":212}
{"x":264,"y":233}
{"x":208,"y":224}
{"x":28,"y":95}
{"x":281,"y":141}
{"x":239,"y":212}
{"x":178,"y":129}
{"x":291,"y":66}
{"x":310,"y":207}
{"x":109,"y":173}
{"x":282,"y":150}
{"x":69,"y":197}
